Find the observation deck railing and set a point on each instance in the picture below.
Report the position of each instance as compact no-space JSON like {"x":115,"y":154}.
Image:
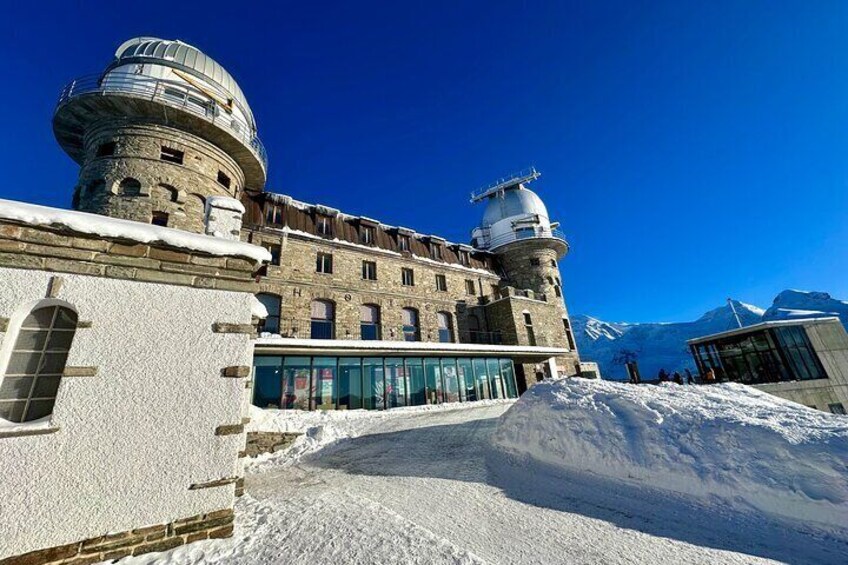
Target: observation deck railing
{"x":525,"y":233}
{"x":171,"y":93}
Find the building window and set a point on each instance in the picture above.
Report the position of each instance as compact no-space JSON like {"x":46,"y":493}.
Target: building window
{"x":169,"y":192}
{"x":441,"y":283}
{"x":273,"y":214}
{"x":30,"y":383}
{"x":369,"y":270}
{"x":836,"y":408}
{"x":369,"y":325}
{"x":496,"y":291}
{"x":411,"y":331}
{"x":272,"y":304}
{"x":403,"y":242}
{"x":407,"y":277}
{"x":323,"y":226}
{"x":436,"y":251}
{"x":106,"y":149}
{"x":366,"y":235}
{"x":568,"y":334}
{"x":275,"y":250}
{"x":464,"y":257}
{"x":324,"y":263}
{"x":223,"y":179}
{"x":558,"y":292}
{"x":129,"y":187}
{"x":175,"y":156}
{"x":470,"y":287}
{"x":534,"y":262}
{"x":445,"y":327}
{"x":528,"y":325}
{"x":553,"y":263}
{"x":323,"y":320}
{"x":159,"y":219}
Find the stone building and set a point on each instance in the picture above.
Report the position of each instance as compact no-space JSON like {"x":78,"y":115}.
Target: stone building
{"x":335,"y":278}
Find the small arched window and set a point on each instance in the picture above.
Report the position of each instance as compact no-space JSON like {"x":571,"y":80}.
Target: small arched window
{"x":411,"y":331}
{"x":272,"y":303}
{"x":167,"y":192}
{"x":129,"y":187}
{"x":369,"y":324}
{"x":445,"y":327}
{"x":31,"y":379}
{"x":323,"y":319}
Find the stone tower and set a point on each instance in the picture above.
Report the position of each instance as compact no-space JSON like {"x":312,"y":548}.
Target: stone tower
{"x":161,"y":130}
{"x":516,"y":228}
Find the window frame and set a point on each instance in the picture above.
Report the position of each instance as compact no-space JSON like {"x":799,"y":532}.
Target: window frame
{"x":171,"y":155}
{"x":407,"y":280}
{"x":369,"y":268}
{"x":10,"y":342}
{"x":322,"y":265}
{"x":470,"y":287}
{"x":441,"y":283}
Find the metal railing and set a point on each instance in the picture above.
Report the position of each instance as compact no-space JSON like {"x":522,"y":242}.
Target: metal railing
{"x":517,"y":235}
{"x":172,"y":93}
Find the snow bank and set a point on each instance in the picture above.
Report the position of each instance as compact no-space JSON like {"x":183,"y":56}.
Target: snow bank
{"x":726,"y":441}
{"x":103,"y":226}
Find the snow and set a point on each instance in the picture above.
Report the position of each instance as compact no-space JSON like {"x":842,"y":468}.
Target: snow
{"x":226,"y":203}
{"x":728,"y":442}
{"x":425,"y":485}
{"x":103,"y":226}
{"x":257,"y":309}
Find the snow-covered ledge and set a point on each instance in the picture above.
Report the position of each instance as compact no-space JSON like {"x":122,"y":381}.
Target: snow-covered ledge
{"x":269,"y":342}
{"x":36,"y":427}
{"x":103,"y":226}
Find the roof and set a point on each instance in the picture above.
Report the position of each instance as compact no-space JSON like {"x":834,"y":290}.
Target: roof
{"x":114,"y":228}
{"x":762,"y":326}
{"x":182,"y":56}
{"x":513,"y":202}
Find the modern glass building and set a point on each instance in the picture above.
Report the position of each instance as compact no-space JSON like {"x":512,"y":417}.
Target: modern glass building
{"x":804,"y":360}
{"x":376,"y":383}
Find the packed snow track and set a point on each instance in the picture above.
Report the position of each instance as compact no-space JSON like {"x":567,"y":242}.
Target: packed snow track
{"x":408,"y":486}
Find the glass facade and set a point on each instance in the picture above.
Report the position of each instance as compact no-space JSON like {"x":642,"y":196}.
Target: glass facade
{"x":769,"y":355}
{"x":375,"y":383}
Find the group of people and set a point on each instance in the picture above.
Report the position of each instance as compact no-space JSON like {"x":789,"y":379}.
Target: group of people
{"x":677,"y":377}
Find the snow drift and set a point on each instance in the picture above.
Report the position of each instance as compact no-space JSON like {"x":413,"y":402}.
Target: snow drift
{"x":727,"y":441}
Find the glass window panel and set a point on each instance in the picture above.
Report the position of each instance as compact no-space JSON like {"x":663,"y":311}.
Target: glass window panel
{"x":417,"y":385}
{"x":41,"y":318}
{"x":38,"y":409}
{"x":31,"y":340}
{"x":66,"y":319}
{"x":433,"y":376}
{"x":268,"y":382}
{"x":12,"y":411}
{"x":60,"y":340}
{"x":508,"y":374}
{"x":466,"y":379}
{"x":350,"y":383}
{"x":296,"y":383}
{"x":53,"y":363}
{"x":372,"y":383}
{"x":481,"y":376}
{"x":46,"y":387}
{"x":324,"y":383}
{"x":495,"y":378}
{"x":450,"y":379}
{"x":395,"y":382}
{"x":369,"y":332}
{"x":12,"y":388}
{"x":23,"y":364}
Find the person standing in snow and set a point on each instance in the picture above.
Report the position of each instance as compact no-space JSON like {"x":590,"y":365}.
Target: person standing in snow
{"x":690,"y":380}
{"x":663,"y":376}
{"x":677,"y":378}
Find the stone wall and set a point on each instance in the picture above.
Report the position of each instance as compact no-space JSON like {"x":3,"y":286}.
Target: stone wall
{"x":267,"y":442}
{"x":297,"y":283}
{"x":179,"y":190}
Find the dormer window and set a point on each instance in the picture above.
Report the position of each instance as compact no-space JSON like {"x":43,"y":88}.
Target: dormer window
{"x":436,"y":251}
{"x":273,"y":214}
{"x":464,"y":257}
{"x":366,"y":235}
{"x":323,"y":226}
{"x":403,"y":242}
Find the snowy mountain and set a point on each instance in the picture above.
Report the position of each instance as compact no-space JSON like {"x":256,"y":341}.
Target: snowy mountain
{"x":663,"y":345}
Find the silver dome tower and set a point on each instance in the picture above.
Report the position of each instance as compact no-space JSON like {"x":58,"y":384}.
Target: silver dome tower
{"x":159,"y":131}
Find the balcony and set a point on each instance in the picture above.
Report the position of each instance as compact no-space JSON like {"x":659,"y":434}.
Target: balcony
{"x":175,"y":94}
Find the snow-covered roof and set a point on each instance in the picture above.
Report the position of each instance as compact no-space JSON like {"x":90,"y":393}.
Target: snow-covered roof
{"x":104,"y":226}
{"x":226,"y":203}
{"x":763,"y":325}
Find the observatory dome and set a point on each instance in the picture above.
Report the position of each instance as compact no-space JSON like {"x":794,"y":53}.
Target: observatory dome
{"x":182,"y":57}
{"x":513,"y":203}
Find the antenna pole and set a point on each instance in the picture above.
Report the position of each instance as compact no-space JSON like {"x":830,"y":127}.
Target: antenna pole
{"x":735,"y":314}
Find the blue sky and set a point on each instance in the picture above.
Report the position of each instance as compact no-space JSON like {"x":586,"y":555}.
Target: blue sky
{"x":692,"y":150}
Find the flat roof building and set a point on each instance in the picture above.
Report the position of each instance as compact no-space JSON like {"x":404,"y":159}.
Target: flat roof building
{"x":805,"y":361}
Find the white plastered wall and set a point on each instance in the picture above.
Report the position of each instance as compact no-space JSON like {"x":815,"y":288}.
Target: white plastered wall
{"x":132,"y":439}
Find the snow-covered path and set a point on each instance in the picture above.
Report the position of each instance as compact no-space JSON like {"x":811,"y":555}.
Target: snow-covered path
{"x":426,"y":488}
